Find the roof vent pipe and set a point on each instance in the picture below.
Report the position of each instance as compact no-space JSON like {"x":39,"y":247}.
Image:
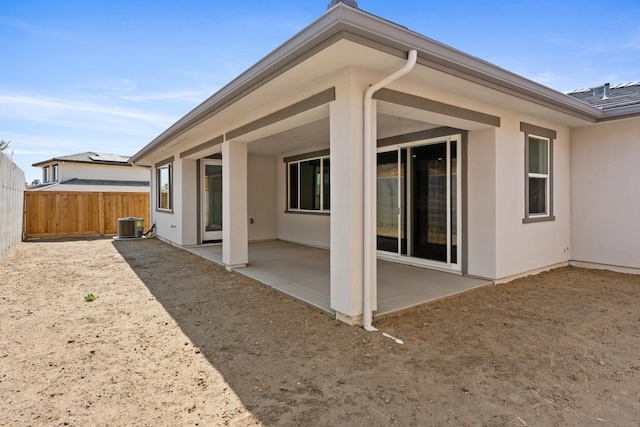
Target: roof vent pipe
{"x":352,"y":3}
{"x":605,"y":94}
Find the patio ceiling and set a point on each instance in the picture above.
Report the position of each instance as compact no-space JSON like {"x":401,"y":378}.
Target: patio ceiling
{"x":315,"y":134}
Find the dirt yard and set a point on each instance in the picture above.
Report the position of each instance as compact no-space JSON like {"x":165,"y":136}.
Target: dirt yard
{"x":175,"y":340}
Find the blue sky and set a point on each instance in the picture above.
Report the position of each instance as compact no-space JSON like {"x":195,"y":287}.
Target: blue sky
{"x":111,"y":75}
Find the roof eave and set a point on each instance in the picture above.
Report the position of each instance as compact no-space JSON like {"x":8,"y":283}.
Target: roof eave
{"x":35,"y":165}
{"x":327,"y":26}
{"x":628,"y":112}
{"x":86,"y":162}
{"x":440,"y":56}
{"x":338,"y":23}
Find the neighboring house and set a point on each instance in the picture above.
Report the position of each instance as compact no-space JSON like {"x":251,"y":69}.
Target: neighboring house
{"x":451,"y":163}
{"x":91,"y":172}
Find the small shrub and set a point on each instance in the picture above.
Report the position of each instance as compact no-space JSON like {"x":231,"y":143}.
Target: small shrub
{"x":224,"y":344}
{"x":90,"y":297}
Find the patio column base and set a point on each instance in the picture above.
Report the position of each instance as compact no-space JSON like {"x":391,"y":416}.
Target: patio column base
{"x":349,"y":320}
{"x":231,"y":267}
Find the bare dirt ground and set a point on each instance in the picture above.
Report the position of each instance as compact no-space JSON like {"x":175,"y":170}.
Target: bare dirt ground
{"x":175,"y":340}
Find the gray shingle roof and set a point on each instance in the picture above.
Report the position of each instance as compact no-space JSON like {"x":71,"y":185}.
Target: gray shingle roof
{"x":620,"y":95}
{"x":90,"y":157}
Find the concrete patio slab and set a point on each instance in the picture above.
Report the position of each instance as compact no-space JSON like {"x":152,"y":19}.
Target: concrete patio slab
{"x":303,"y":272}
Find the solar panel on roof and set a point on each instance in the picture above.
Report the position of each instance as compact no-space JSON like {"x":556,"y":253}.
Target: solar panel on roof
{"x":106,"y":157}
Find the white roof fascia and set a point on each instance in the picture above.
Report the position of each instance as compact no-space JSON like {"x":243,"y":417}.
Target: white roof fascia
{"x":476,"y":69}
{"x":620,"y":113}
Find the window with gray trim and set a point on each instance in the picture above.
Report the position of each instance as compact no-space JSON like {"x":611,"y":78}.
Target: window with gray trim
{"x":308,"y":185}
{"x":45,"y":174}
{"x":538,"y":173}
{"x":164,"y":180}
{"x":54,"y":169}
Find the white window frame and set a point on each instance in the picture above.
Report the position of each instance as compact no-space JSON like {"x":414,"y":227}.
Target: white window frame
{"x":548,"y":135}
{"x":322,"y":209}
{"x":54,"y":170}
{"x":45,"y":174}
{"x":165,"y":164}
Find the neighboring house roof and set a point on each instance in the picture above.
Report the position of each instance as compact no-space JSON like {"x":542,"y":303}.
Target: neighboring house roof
{"x":91,"y":157}
{"x":94,"y":185}
{"x":607,"y":97}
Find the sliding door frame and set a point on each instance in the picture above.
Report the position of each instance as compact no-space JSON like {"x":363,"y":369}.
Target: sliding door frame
{"x":408,"y":258}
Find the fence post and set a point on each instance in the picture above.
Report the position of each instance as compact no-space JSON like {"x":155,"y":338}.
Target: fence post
{"x":101,"y":214}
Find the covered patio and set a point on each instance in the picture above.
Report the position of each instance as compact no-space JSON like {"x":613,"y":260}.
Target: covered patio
{"x":303,"y":273}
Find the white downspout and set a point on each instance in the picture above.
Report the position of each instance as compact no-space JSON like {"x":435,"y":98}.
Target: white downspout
{"x":370,"y":137}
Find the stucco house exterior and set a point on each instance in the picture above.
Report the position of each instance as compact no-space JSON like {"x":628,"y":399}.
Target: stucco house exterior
{"x":92,"y":171}
{"x":374,"y":142}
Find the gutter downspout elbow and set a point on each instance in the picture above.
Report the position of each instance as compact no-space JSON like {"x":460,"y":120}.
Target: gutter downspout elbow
{"x":370,"y":137}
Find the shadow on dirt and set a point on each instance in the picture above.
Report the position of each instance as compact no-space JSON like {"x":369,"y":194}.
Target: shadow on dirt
{"x":558,"y":348}
{"x":280,"y":356}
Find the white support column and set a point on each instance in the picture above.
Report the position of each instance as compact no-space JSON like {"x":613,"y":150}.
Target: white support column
{"x":235,"y":231}
{"x":346,"y":143}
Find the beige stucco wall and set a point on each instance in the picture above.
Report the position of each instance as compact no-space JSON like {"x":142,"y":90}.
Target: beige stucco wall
{"x":523,"y":247}
{"x":186,"y":207}
{"x":70,"y":170}
{"x":169,"y":224}
{"x":481,"y":203}
{"x":181,"y":226}
{"x":499,"y":244}
{"x":262,"y":197}
{"x":605,"y":163}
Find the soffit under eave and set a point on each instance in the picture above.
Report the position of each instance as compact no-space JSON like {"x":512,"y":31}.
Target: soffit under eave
{"x":315,"y":38}
{"x":45,"y":163}
{"x":386,"y":37}
{"x":502,"y":81}
{"x":310,"y":78}
{"x":396,"y":40}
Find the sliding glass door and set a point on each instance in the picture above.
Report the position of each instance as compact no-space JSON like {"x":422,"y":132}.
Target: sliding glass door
{"x":418,"y":202}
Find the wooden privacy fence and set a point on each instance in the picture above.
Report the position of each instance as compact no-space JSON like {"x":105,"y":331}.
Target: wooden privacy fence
{"x":68,"y":214}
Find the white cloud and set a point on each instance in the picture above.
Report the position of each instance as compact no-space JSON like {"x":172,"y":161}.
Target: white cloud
{"x":20,"y":24}
{"x":43,"y":144}
{"x":79,"y":114}
{"x":184,"y":95}
{"x":122,"y":85}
